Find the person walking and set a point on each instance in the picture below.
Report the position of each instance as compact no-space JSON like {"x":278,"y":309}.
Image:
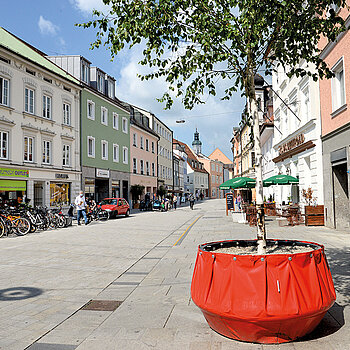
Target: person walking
{"x":175,"y":201}
{"x":80,"y":204}
{"x":191,"y":201}
{"x":239,"y":202}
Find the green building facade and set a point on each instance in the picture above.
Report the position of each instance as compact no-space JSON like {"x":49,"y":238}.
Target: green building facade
{"x":105,"y":146}
{"x":104,"y":131}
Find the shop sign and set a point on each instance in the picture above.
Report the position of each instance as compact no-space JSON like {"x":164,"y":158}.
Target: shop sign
{"x":61,"y":176}
{"x":14,"y":172}
{"x":13,"y":185}
{"x":102,"y":173}
{"x":293,"y":143}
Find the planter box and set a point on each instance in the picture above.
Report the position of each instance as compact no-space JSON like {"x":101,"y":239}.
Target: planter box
{"x":314,"y":210}
{"x":273,"y":298}
{"x":314,"y":215}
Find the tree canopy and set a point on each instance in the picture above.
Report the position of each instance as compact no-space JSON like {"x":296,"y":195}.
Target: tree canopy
{"x":195,"y":43}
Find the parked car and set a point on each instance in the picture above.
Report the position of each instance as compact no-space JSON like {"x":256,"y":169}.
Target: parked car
{"x":115,"y":206}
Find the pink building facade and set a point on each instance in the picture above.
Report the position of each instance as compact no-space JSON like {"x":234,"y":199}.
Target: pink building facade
{"x":143,"y":158}
{"x":335,"y":117}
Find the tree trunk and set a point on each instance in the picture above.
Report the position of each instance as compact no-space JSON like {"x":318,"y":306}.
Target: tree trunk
{"x":261,"y":234}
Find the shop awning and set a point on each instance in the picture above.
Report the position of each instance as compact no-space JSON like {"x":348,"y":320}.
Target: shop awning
{"x":13,"y":185}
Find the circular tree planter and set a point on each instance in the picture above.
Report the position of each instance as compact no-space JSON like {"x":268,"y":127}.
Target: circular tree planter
{"x":272,"y":298}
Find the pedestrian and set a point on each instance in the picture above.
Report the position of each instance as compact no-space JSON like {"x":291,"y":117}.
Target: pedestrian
{"x":191,"y":201}
{"x":175,"y":201}
{"x":197,"y":196}
{"x":239,"y":201}
{"x":202,"y":196}
{"x":80,"y":204}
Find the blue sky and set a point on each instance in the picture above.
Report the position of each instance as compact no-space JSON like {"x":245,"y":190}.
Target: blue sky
{"x":49,"y":26}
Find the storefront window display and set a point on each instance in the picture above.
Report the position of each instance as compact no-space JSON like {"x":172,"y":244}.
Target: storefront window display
{"x":59,"y":193}
{"x":116,"y":189}
{"x":12,"y":192}
{"x":89,"y":188}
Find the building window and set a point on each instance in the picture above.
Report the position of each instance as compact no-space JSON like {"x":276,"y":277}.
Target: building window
{"x":141,"y":167}
{"x":85,"y":73}
{"x":305,"y":103}
{"x":134,"y":166}
{"x":152,"y":147}
{"x":141,"y":142}
{"x":115,"y":121}
{"x":66,"y":155}
{"x":110,"y":89}
{"x":100,"y":83}
{"x":4,"y":140}
{"x":104,"y":116}
{"x":115,"y":153}
{"x":66,"y":114}
{"x":29,"y":100}
{"x":147,"y":168}
{"x":91,"y":146}
{"x":4,"y":91}
{"x":91,"y":110}
{"x":253,"y":159}
{"x":104,"y":150}
{"x":153,"y":169}
{"x":147,"y":145}
{"x":125,"y":125}
{"x":46,"y":152}
{"x":134,"y":140}
{"x":338,"y":86}
{"x":28,"y":149}
{"x":125,"y":155}
{"x":213,"y":179}
{"x":47,"y":102}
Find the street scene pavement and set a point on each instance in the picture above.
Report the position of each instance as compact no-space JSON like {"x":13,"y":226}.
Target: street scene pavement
{"x":125,"y":283}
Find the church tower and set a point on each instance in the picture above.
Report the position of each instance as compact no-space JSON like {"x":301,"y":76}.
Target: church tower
{"x":197,"y":144}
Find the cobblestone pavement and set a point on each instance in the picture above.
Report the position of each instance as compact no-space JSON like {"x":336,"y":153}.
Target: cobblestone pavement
{"x":143,"y":264}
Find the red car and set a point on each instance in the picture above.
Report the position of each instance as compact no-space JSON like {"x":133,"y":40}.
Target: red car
{"x":115,"y":206}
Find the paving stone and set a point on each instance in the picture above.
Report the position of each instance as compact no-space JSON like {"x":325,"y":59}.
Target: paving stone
{"x":71,"y":267}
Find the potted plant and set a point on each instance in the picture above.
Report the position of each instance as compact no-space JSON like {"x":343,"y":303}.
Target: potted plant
{"x":250,"y":294}
{"x":314,"y":214}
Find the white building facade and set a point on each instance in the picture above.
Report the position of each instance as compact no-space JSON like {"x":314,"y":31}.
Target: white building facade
{"x":297,"y":144}
{"x":39,"y":127}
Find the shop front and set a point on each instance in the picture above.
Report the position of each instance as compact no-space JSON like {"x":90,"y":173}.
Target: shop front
{"x":299,"y":158}
{"x":38,"y":186}
{"x":13,"y":185}
{"x":104,"y":183}
{"x":115,"y":188}
{"x":336,"y":170}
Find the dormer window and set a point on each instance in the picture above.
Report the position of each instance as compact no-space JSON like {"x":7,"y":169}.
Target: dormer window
{"x":85,"y":73}
{"x":110,"y":89}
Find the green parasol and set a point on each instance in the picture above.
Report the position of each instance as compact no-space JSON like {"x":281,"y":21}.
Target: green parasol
{"x":238,"y":182}
{"x":280,"y":180}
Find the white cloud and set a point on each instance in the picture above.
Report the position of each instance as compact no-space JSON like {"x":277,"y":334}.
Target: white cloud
{"x":62,"y":41}
{"x":214,"y":119}
{"x":47,"y":27}
{"x":86,"y":6}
